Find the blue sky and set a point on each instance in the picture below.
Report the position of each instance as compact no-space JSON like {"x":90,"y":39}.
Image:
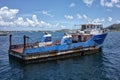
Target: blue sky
{"x":56,"y":14}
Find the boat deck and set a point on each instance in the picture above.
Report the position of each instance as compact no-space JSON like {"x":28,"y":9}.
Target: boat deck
{"x":18,"y":50}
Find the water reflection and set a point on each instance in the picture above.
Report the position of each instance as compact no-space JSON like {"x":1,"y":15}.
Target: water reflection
{"x":84,"y":67}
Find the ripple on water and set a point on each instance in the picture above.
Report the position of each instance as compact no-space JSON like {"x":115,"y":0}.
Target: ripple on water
{"x":100,"y":66}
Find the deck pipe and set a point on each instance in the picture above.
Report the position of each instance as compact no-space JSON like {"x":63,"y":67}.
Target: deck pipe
{"x":10,"y":40}
{"x":24,"y":38}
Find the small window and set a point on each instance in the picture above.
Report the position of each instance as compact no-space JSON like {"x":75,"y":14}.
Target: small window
{"x":98,"y":27}
{"x":91,"y":26}
{"x":87,"y":26}
{"x":47,"y":39}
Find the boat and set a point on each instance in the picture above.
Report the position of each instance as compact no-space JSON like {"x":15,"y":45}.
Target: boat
{"x":3,"y":33}
{"x":88,"y":40}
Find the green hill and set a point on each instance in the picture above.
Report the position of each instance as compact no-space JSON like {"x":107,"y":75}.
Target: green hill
{"x":114,"y":27}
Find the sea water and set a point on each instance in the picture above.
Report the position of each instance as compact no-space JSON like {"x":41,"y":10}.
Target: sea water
{"x":100,"y":66}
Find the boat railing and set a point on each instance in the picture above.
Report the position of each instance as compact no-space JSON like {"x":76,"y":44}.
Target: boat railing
{"x":25,"y":44}
{"x":28,"y":45}
{"x":17,"y":46}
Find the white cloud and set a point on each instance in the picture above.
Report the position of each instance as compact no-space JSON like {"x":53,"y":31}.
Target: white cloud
{"x":58,"y":25}
{"x":109,"y":19}
{"x":110,"y":3}
{"x":45,"y":24}
{"x":47,"y":13}
{"x":72,"y":5}
{"x":115,"y":1}
{"x":21,"y":22}
{"x":68,"y":17}
{"x":31,"y":22}
{"x":109,"y":10}
{"x":3,"y":23}
{"x":88,"y":2}
{"x":8,"y":18}
{"x":34,"y":17}
{"x":6,"y":13}
{"x":85,"y":16}
{"x":98,"y":20}
{"x":118,"y":21}
{"x":0,"y":17}
{"x":79,"y":16}
{"x":117,"y":5}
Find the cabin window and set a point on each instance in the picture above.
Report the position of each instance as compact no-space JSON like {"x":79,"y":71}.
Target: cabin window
{"x":47,"y":39}
{"x":87,"y":27}
{"x":91,"y":26}
{"x":97,"y":26}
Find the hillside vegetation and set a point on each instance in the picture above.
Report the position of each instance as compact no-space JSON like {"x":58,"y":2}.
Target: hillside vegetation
{"x":114,"y":27}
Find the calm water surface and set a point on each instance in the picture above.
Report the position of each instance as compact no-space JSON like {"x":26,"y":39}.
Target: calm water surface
{"x":100,"y":66}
